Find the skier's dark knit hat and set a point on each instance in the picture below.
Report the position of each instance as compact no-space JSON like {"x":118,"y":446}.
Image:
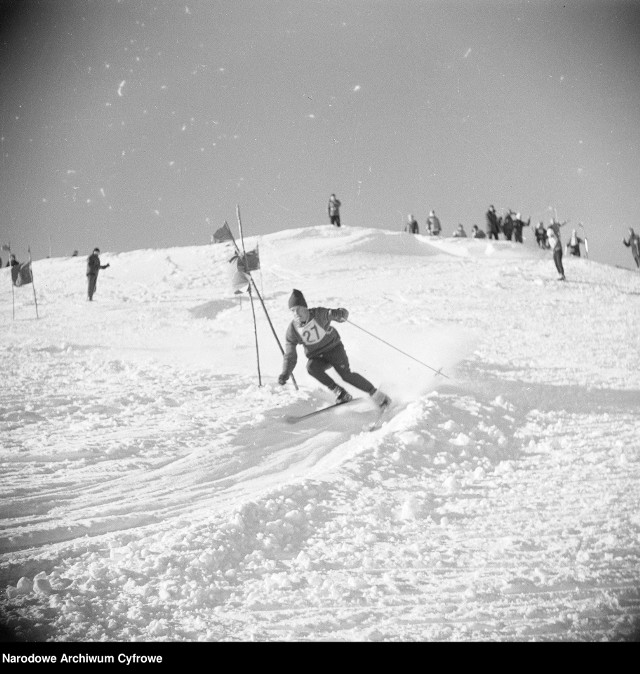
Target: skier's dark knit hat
{"x":297,"y":299}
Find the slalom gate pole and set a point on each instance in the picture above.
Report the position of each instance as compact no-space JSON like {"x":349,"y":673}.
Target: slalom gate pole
{"x":397,"y":349}
{"x":33,"y":285}
{"x":13,"y":290}
{"x":266,"y":313}
{"x":253,"y":311}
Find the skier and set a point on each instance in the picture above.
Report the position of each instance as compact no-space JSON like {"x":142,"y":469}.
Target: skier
{"x":633,"y":241}
{"x":93,"y":268}
{"x":433,"y":224}
{"x":334,"y":210}
{"x":553,"y":234}
{"x":324,"y":349}
{"x":573,"y":245}
{"x":412,"y":225}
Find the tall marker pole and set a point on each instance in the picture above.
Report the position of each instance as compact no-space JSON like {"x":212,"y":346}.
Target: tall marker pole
{"x":266,"y":313}
{"x":253,"y":311}
{"x":33,"y":285}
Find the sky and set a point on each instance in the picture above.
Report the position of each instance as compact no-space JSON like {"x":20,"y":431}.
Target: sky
{"x":132,"y":124}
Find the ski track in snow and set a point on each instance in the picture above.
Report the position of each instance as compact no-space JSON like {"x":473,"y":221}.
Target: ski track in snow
{"x":151,"y":490}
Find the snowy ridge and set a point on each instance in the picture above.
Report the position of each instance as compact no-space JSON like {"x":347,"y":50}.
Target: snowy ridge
{"x":151,"y":490}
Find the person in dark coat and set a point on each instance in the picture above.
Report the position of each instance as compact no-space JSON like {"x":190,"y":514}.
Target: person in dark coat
{"x":507,"y":226}
{"x":323,"y":347}
{"x":518,"y":226}
{"x":492,"y":223}
{"x":12,"y":261}
{"x":477,"y":233}
{"x":573,"y":245}
{"x":93,"y":268}
{"x":334,"y":210}
{"x":412,"y":225}
{"x":541,"y":235}
{"x":633,"y":242}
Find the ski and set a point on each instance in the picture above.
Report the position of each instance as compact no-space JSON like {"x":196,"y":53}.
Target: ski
{"x":294,"y":419}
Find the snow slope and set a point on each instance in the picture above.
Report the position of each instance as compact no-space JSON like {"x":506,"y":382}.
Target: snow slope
{"x":151,"y":490}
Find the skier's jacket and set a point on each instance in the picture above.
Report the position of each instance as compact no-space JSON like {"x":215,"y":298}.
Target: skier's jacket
{"x":317,"y":336}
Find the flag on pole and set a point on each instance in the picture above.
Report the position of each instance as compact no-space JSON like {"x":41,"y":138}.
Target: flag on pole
{"x":21,"y":274}
{"x":252,"y":260}
{"x":223,"y":234}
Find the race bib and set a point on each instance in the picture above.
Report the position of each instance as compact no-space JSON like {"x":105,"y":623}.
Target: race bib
{"x":311,"y":333}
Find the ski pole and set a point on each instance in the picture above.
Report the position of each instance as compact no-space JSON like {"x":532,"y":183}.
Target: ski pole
{"x":397,"y":349}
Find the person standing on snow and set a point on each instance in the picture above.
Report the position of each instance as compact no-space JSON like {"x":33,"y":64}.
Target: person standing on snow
{"x":518,"y":225}
{"x":324,"y":349}
{"x":433,"y":224}
{"x":492,"y":224}
{"x":412,"y":225}
{"x":553,"y":234}
{"x":334,"y":210}
{"x":633,"y":241}
{"x":573,"y":245}
{"x":541,"y":235}
{"x":93,"y":268}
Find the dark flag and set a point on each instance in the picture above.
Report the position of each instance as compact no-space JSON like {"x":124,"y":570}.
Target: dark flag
{"x":252,"y":260}
{"x":223,"y":234}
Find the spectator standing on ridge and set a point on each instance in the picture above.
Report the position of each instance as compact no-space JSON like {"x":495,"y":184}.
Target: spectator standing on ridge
{"x":553,"y":233}
{"x":433,"y":224}
{"x":93,"y":268}
{"x":633,"y":241}
{"x":492,"y":223}
{"x":412,"y":225}
{"x":334,"y":210}
{"x":507,"y":225}
{"x":541,"y":235}
{"x":12,"y":261}
{"x":460,"y":233}
{"x":573,"y":245}
{"x":518,"y":225}
{"x":477,"y":233}
{"x":324,"y":349}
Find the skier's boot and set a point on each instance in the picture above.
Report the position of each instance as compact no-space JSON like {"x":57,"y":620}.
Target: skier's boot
{"x":342,"y":396}
{"x":381,"y":399}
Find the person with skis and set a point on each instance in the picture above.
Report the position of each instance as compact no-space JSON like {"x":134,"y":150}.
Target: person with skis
{"x":412,"y":225}
{"x":334,"y":210}
{"x":93,"y":268}
{"x":433,"y":224}
{"x":323,"y":347}
{"x":553,"y":234}
{"x":492,"y":227}
{"x":633,"y":242}
{"x":573,"y":245}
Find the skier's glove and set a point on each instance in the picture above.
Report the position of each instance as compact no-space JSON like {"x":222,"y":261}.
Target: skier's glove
{"x":344,"y":314}
{"x":282,"y":379}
